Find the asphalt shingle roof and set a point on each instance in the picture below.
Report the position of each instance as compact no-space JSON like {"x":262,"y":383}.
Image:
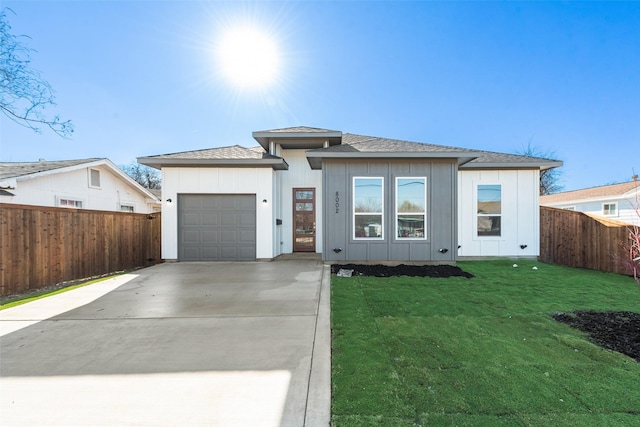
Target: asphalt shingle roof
{"x":15,"y":169}
{"x":371,"y":144}
{"x":234,"y":152}
{"x":353,"y":143}
{"x":587,"y":193}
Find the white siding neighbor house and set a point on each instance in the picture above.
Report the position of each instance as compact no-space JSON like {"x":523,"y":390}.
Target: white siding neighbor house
{"x":620,"y":202}
{"x":348,"y":197}
{"x":96,"y":184}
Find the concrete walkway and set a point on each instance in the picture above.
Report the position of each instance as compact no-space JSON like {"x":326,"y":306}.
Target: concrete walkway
{"x":177,"y":344}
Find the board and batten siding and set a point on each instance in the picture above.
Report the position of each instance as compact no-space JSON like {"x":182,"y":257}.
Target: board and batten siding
{"x":441,"y":185}
{"x":197,"y":180}
{"x":520,"y":213}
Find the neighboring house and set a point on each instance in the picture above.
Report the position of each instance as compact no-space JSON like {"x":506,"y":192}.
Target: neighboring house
{"x":615,"y":201}
{"x":87,"y":184}
{"x":349,"y":197}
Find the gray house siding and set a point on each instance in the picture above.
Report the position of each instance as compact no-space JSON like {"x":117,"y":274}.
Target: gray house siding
{"x":441,"y":196}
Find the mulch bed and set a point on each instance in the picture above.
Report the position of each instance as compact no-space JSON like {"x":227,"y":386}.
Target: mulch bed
{"x":614,"y":330}
{"x":378,"y":270}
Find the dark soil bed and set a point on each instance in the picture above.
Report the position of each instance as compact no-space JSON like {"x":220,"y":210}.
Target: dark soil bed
{"x":378,"y":270}
{"x":614,"y":330}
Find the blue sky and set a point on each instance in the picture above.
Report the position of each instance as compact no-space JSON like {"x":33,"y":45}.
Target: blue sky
{"x":140,"y":78}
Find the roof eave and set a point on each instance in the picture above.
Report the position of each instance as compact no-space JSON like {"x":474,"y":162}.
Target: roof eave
{"x":512,"y":165}
{"x":315,"y":157}
{"x":265,"y":137}
{"x":159,"y":163}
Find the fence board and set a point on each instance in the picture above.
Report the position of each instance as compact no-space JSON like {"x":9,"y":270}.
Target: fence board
{"x":575,"y":239}
{"x":42,"y":246}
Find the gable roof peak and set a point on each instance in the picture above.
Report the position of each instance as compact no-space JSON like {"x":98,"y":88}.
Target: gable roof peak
{"x":298,"y":129}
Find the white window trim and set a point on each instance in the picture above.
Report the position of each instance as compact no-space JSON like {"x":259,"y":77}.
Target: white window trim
{"x":99,"y":186}
{"x":354,"y":214}
{"x":476,"y":236}
{"x":123,"y":205}
{"x":615,"y":204}
{"x":424,"y":237}
{"x":569,"y":208}
{"x":59,"y":200}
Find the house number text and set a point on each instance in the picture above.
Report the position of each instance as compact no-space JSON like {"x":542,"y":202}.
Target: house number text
{"x":337,"y":202}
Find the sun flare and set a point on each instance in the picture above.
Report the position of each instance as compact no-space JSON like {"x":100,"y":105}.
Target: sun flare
{"x":248,"y":57}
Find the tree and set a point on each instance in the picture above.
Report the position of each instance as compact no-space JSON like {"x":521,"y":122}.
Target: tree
{"x":24,"y":94}
{"x":144,"y":175}
{"x":549,"y":178}
{"x":632,"y":245}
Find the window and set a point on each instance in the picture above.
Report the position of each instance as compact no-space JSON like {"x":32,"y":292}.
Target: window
{"x":569,"y":208}
{"x":69,"y":203}
{"x":368,"y":212}
{"x":411,"y":204}
{"x":94,"y":178}
{"x":610,"y":209}
{"x":489,"y":210}
{"x":126,"y":208}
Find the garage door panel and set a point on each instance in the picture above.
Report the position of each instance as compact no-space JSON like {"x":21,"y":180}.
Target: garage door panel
{"x":210,"y":203}
{"x":210,"y":218}
{"x":192,"y":252}
{"x":189,"y":236}
{"x":191,"y":219}
{"x":229,"y":236}
{"x":190,"y":202}
{"x":246,"y":220}
{"x":228,"y":203}
{"x":217,"y":227}
{"x":229,"y":219}
{"x":246,"y":252}
{"x":210,"y":252}
{"x":248,"y":204}
{"x":247,"y":237}
{"x":228,"y":253}
{"x":210,"y":236}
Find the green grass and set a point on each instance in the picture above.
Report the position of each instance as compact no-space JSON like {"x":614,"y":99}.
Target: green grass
{"x":39,"y":295}
{"x":412,"y":351}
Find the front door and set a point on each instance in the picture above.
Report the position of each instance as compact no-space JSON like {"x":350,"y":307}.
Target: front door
{"x":304,"y":214}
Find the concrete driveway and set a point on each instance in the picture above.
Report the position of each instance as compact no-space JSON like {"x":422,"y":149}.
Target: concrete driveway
{"x":177,"y":344}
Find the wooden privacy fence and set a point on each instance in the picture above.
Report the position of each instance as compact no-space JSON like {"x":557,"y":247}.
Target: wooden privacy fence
{"x":578,"y":240}
{"x":43,"y":245}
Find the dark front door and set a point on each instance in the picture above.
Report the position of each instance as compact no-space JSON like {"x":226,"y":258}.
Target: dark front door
{"x":304,"y":218}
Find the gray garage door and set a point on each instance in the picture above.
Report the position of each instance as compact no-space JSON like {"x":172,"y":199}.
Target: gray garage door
{"x":216,"y":227}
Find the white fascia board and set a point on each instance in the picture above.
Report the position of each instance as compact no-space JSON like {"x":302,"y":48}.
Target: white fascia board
{"x":278,"y":164}
{"x":505,"y":165}
{"x":8,"y":183}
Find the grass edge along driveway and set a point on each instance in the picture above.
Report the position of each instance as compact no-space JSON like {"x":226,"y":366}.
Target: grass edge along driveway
{"x":412,"y":351}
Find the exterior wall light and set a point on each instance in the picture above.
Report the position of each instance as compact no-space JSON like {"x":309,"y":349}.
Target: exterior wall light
{"x":169,"y":202}
{"x":264,"y":200}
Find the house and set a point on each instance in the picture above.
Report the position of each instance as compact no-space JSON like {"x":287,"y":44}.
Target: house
{"x":86,"y":183}
{"x":349,"y":197}
{"x":616,"y":201}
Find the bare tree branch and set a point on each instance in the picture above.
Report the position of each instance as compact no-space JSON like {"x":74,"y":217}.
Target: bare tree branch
{"x":24,"y":94}
{"x":549,"y":178}
{"x":144,"y":175}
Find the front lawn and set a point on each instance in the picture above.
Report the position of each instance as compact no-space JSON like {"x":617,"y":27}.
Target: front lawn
{"x":485,"y":351}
